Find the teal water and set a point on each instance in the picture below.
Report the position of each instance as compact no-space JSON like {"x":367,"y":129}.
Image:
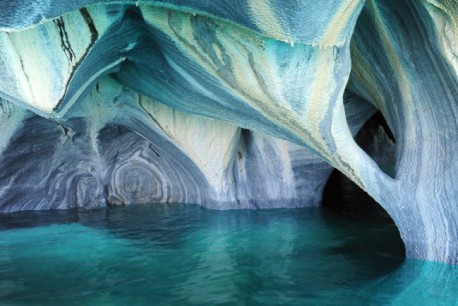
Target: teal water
{"x":186,"y":255}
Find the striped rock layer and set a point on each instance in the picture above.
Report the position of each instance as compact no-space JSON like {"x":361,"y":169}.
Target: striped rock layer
{"x":232,"y":104}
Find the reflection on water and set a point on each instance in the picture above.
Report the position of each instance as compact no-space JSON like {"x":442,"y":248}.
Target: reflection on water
{"x":178,"y":254}
{"x":416,"y":283}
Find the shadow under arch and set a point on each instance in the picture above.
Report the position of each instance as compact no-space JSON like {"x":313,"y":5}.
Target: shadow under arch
{"x":372,"y":235}
{"x":367,"y":231}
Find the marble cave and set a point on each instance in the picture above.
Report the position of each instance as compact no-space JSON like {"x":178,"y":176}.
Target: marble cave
{"x":241,"y":104}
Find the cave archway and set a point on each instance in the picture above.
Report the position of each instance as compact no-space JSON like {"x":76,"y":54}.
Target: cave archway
{"x":372,"y":233}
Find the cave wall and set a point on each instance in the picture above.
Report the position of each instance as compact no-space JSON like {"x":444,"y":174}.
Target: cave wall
{"x":118,"y":147}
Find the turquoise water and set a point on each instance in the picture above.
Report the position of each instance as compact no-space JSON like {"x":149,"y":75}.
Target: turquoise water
{"x":185,"y":255}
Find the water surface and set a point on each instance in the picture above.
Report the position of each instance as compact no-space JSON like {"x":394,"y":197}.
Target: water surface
{"x":184,"y":254}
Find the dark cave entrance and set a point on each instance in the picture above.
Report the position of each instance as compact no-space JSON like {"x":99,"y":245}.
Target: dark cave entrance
{"x":378,"y":141}
{"x":344,"y":200}
{"x":372,"y":235}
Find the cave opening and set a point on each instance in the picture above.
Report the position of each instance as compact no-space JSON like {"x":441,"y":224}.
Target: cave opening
{"x":369,"y":232}
{"x":346,"y":201}
{"x":378,"y":141}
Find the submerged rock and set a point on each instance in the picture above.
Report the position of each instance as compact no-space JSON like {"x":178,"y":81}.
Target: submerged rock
{"x":239,"y":104}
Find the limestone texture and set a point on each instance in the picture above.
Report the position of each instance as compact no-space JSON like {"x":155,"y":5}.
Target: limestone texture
{"x":233,"y":104}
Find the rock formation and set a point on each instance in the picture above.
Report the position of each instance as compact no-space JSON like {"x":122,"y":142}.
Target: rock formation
{"x":232,"y":104}
{"x":120,"y":147}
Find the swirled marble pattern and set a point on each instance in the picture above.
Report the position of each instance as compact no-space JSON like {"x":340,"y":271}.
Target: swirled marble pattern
{"x":153,"y":154}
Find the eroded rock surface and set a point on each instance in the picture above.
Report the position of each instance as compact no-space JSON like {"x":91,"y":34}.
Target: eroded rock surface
{"x":120,"y":147}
